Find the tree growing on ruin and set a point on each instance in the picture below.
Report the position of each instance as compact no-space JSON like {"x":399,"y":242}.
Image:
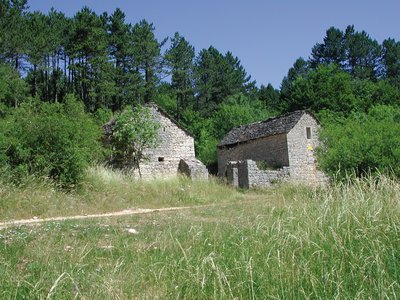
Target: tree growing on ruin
{"x":135,"y":131}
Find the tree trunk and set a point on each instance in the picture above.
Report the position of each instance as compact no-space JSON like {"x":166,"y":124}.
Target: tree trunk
{"x":47,"y":64}
{"x":34,"y":84}
{"x":16,"y":62}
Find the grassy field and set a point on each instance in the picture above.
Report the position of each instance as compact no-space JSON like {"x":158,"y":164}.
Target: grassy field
{"x":289,"y":242}
{"x":106,"y":191}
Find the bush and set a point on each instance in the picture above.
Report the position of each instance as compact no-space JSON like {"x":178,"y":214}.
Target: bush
{"x":362,"y":144}
{"x":56,"y":141}
{"x":135,"y":131}
{"x":236,"y":111}
{"x":13,"y":90}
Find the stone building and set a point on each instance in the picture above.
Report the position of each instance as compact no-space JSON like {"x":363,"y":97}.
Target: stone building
{"x":280,"y":148}
{"x":175,"y":151}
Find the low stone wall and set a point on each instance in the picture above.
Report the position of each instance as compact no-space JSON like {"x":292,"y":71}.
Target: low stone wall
{"x":232,"y":174}
{"x":246,"y":174}
{"x":193,"y":168}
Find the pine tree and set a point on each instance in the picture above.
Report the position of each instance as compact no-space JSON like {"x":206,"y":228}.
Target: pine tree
{"x":391,"y":61}
{"x":180,"y":58}
{"x":147,"y":58}
{"x":218,"y":77}
{"x":126,"y":77}
{"x":13,"y":29}
{"x":362,"y":53}
{"x":270,"y":97}
{"x":332,"y":50}
{"x":92,"y":71}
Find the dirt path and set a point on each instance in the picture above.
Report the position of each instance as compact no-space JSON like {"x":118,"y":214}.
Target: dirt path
{"x":125,"y":212}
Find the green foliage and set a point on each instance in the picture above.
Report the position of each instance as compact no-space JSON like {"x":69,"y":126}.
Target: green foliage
{"x":56,"y":141}
{"x":237,"y":110}
{"x":147,"y":57}
{"x":180,"y":58}
{"x":13,"y":89}
{"x":270,"y":97}
{"x":102,"y":116}
{"x":127,"y":79}
{"x":355,"y":52}
{"x":362,"y":144}
{"x":46,"y":36}
{"x":108,"y":63}
{"x":264,"y":165}
{"x":90,"y":64}
{"x":327,"y":87}
{"x":206,"y":144}
{"x":217,"y":77}
{"x":362,"y":54}
{"x":332,"y":50}
{"x":391,"y":60}
{"x":169,"y":103}
{"x":13,"y":32}
{"x":299,"y":68}
{"x":135,"y":131}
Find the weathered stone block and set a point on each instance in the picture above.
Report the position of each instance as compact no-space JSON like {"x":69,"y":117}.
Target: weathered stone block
{"x":193,"y":169}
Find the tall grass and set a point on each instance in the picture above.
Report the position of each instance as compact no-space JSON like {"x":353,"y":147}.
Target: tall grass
{"x":290,"y":242}
{"x":104,"y":190}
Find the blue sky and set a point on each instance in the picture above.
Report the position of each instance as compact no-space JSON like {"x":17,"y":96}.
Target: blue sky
{"x":267,"y":36}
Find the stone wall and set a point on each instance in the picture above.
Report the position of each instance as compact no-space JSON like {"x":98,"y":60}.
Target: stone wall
{"x":273,"y":150}
{"x":246,"y":174}
{"x":302,"y":162}
{"x":174,"y":144}
{"x":232,"y":173}
{"x":293,"y":153}
{"x":193,"y":168}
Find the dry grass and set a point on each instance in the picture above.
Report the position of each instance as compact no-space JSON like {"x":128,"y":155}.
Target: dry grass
{"x":104,"y":190}
{"x":290,"y":242}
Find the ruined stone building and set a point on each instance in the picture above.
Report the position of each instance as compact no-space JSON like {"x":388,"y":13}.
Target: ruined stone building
{"x":175,"y":151}
{"x":280,"y":148}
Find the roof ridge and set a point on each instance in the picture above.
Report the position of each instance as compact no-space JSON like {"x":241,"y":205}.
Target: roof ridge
{"x":271,"y":126}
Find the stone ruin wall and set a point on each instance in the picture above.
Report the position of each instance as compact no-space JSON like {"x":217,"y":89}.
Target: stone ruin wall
{"x":302,"y":161}
{"x":193,"y":169}
{"x":271,"y":149}
{"x":293,"y":152}
{"x":174,"y":144}
{"x":262,"y":178}
{"x":246,"y":174}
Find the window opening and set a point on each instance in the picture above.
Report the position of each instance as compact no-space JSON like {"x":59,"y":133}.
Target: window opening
{"x":160,"y":159}
{"x":308,"y":133}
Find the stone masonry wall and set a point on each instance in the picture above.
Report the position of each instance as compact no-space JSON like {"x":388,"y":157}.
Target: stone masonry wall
{"x":232,"y":174}
{"x":251,"y":176}
{"x":194,"y":169}
{"x":303,"y":166}
{"x":174,"y":144}
{"x":272,"y":150}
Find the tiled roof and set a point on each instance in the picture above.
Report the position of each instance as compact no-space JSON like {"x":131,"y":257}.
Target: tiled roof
{"x":272,"y":126}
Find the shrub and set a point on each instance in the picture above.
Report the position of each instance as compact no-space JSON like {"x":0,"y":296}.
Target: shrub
{"x":13,"y":90}
{"x":135,"y":131}
{"x":56,"y":141}
{"x":362,"y":144}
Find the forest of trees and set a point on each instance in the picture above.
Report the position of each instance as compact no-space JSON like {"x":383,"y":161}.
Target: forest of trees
{"x":100,"y":64}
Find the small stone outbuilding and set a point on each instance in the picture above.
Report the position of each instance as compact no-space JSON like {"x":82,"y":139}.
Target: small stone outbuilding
{"x":280,"y":148}
{"x":175,"y":152}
